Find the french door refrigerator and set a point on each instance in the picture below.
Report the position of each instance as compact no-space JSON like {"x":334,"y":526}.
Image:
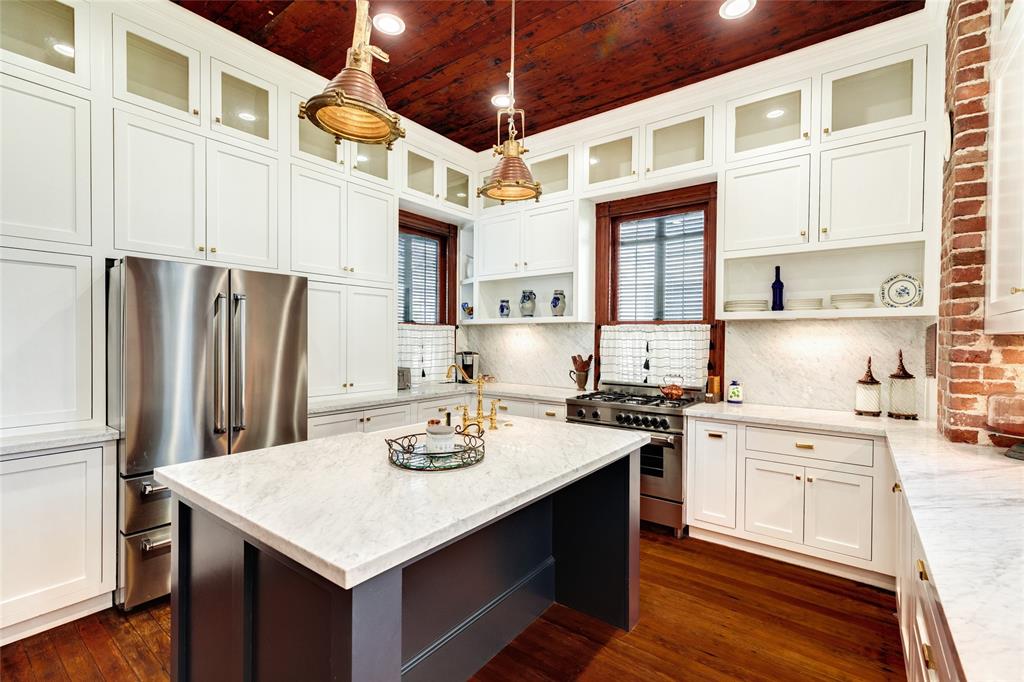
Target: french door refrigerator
{"x":202,"y":362}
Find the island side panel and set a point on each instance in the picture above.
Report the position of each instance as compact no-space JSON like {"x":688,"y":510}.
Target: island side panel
{"x":597,"y":543}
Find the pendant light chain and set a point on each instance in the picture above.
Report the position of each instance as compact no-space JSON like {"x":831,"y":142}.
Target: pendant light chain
{"x":512,"y":79}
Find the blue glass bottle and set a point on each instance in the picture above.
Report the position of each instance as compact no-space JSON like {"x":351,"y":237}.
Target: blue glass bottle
{"x":777,"y":287}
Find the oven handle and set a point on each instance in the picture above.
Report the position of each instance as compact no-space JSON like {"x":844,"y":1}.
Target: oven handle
{"x":663,"y":442}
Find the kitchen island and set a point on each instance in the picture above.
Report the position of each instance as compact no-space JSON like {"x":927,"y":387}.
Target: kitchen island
{"x":321,"y":560}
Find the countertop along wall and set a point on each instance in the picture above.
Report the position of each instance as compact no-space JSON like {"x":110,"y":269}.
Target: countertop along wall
{"x":528,"y":353}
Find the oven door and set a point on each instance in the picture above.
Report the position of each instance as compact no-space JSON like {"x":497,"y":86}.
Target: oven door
{"x":661,"y":468}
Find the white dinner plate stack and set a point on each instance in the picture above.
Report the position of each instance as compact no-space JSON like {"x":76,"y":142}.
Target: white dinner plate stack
{"x":748,"y":305}
{"x":853,"y":301}
{"x":803,"y":304}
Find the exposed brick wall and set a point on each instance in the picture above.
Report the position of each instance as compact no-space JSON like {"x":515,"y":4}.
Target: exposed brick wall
{"x":971,"y":364}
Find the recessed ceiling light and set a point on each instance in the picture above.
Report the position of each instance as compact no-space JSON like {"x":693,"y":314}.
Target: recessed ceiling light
{"x":734,"y":9}
{"x":246,"y":116}
{"x":388,"y":24}
{"x":775,"y":113}
{"x":594,"y":160}
{"x":500,"y":100}
{"x":362,"y":157}
{"x":64,"y":49}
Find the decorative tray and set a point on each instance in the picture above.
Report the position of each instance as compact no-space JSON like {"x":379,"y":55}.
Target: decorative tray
{"x":409,"y":452}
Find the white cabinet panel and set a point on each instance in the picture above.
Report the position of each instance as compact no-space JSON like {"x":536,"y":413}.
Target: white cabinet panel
{"x":612,"y":160}
{"x":770,"y":121}
{"x":326,"y":338}
{"x":554,"y":411}
{"x":678,"y":144}
{"x":45,"y":348}
{"x":774,"y":500}
{"x":767,"y":204}
{"x":51,"y":38}
{"x":387,"y":418}
{"x":508,"y":407}
{"x":51,"y":530}
{"x":159,"y":188}
{"x":712,"y":479}
{"x":45,"y":190}
{"x":309,"y":143}
{"x":241,"y":206}
{"x":334,"y":425}
{"x":420,"y":174}
{"x":371,"y":227}
{"x":244,"y":105}
{"x":548,"y":238}
{"x":156,"y":72}
{"x":318,"y":220}
{"x":497,"y":239}
{"x":370,"y":340}
{"x":872,"y":189}
{"x":838,"y":512}
{"x":436,"y":409}
{"x":372,"y":162}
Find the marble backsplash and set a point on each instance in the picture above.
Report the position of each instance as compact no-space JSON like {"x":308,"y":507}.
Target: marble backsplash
{"x":528,"y":353}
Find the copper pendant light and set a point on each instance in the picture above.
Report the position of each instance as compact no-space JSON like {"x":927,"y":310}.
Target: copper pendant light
{"x":511,"y":179}
{"x":352,"y":107}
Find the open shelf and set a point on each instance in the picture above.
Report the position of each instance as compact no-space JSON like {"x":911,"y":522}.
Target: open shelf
{"x":827,"y":314}
{"x":520,"y":320}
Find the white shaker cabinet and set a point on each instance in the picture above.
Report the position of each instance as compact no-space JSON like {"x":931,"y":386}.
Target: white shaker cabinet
{"x":383,"y":418}
{"x":769,"y":121}
{"x":872,"y":189}
{"x":767,"y":204}
{"x":244,"y":105}
{"x":45,"y":187}
{"x":774,"y":500}
{"x":159,"y":188}
{"x":370,"y":340}
{"x":370,"y":231}
{"x":837,"y":512}
{"x":241,"y":206}
{"x":548,"y":238}
{"x":327,"y":320}
{"x":497,"y":243}
{"x":334,"y":425}
{"x":50,"y":38}
{"x":712,"y":470}
{"x":319,"y":209}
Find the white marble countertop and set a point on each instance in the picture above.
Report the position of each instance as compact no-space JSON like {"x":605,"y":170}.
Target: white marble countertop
{"x":338,"y":507}
{"x":329,"y":405}
{"x":33,"y":438}
{"x":967,"y":502}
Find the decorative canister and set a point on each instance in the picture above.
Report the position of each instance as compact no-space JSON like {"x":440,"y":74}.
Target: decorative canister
{"x":902,"y":393}
{"x":440,"y":438}
{"x":527,"y":303}
{"x":558,"y":303}
{"x":868,"y":401}
{"x":504,"y":308}
{"x":735,"y":393}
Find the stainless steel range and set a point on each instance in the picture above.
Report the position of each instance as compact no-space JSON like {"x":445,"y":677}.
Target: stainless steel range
{"x":662,"y":462}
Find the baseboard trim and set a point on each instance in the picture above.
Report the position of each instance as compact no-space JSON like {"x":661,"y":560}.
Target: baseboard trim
{"x":47,"y":621}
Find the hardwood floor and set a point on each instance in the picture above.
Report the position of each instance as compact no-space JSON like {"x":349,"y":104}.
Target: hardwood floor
{"x":707,"y":613}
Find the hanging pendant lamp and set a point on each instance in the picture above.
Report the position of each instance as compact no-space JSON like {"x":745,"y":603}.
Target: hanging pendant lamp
{"x":352,"y":107}
{"x":511,"y":179}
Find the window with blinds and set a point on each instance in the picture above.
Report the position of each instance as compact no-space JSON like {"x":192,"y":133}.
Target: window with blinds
{"x":661,"y":268}
{"x":418,"y":259}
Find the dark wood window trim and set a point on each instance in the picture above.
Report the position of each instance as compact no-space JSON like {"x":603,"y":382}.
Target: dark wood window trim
{"x":610,"y":215}
{"x":447,"y":275}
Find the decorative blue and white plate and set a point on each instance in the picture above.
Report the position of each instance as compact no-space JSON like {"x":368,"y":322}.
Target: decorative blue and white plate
{"x":901,"y":291}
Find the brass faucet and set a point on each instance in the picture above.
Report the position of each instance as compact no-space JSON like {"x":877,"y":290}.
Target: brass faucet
{"x":480,"y":417}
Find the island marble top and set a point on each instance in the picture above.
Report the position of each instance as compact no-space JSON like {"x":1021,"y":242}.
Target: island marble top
{"x":338,"y":507}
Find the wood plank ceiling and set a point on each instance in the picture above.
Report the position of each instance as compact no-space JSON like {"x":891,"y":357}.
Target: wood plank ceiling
{"x":575,"y":58}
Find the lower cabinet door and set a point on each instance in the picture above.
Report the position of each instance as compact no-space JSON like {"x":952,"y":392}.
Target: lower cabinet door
{"x":712,"y":479}
{"x":555,"y":411}
{"x":774,"y":500}
{"x":387,"y":418}
{"x":51,"y":532}
{"x":370,"y":340}
{"x":837,"y":516}
{"x":508,"y":407}
{"x":335,"y":425}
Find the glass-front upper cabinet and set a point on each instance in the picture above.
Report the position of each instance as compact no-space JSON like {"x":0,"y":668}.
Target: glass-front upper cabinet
{"x":456,"y":187}
{"x":156,"y":72}
{"x":875,"y":95}
{"x":421,"y":173}
{"x":678,"y":144}
{"x":47,"y":36}
{"x":486,"y":202}
{"x":312,"y":144}
{"x":611,"y":160}
{"x":244,"y":105}
{"x":554,"y":173}
{"x":371,"y":162}
{"x":771,"y":121}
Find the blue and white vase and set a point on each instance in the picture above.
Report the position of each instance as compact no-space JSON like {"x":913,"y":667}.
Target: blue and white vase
{"x":527,"y":303}
{"x":504,"y":308}
{"x":558,"y":303}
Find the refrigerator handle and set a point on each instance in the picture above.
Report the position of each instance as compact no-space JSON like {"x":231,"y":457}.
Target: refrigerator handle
{"x":220,"y":366}
{"x":240,"y":363}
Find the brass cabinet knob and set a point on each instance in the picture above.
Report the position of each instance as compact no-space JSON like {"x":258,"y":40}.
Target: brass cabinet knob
{"x":633,"y":172}
{"x":344,"y":385}
{"x":437,"y":196}
{"x":341,"y":162}
{"x":810,"y":479}
{"x":213,"y":249}
{"x":344,"y":268}
{"x":807,"y":136}
{"x":824,"y":230}
{"x":201,"y":248}
{"x":195,"y":112}
{"x":648,"y":170}
{"x":525,"y":264}
{"x":361,"y":420}
{"x":1016,"y":290}
{"x":922,"y":570}
{"x":803,"y":233}
{"x":797,"y":476}
{"x":826,"y":131}
{"x":351,"y":268}
{"x":217,"y":119}
{"x":896,"y":487}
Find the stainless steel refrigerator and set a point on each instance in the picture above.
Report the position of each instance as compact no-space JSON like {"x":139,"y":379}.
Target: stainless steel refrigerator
{"x":202,"y":362}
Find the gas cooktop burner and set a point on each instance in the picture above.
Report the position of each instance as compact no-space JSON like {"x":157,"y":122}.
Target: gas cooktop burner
{"x":626,"y":399}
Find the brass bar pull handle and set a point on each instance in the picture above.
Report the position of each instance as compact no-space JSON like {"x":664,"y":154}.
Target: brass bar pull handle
{"x":1016,"y":290}
{"x":442,"y":409}
{"x":550,"y":413}
{"x":926,"y":655}
{"x":712,"y":434}
{"x":922,"y":570}
{"x":503,"y":408}
{"x":805,"y":446}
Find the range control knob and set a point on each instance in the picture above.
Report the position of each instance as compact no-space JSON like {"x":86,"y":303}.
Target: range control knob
{"x":646,"y":421}
{"x":595,"y":414}
{"x":636,"y":420}
{"x":581,"y":413}
{"x":621,"y":418}
{"x":663,"y":423}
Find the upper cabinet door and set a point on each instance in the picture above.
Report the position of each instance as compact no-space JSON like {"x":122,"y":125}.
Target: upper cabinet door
{"x":244,"y":106}
{"x":309,"y":143}
{"x":872,"y":189}
{"x":45,"y":166}
{"x":155,"y":72}
{"x":548,"y":238}
{"x":774,"y":500}
{"x":372,"y":162}
{"x":420,"y":174}
{"x":371,"y":227}
{"x":554,"y":173}
{"x":159,"y":188}
{"x":497,"y":245}
{"x":326,"y":339}
{"x":837,"y":512}
{"x":771,"y":121}
{"x":879,"y":94}
{"x":319,"y":216}
{"x":767,"y":204}
{"x":48,"y":37}
{"x":241,"y":206}
{"x":678,"y":144}
{"x":370,"y":341}
{"x":612,"y":160}
{"x":456,"y":188}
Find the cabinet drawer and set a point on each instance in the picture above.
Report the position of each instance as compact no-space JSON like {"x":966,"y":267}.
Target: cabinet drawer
{"x":843,"y":449}
{"x":334,"y":425}
{"x":509,"y":407}
{"x":554,"y":411}
{"x":144,"y":504}
{"x":436,"y":409}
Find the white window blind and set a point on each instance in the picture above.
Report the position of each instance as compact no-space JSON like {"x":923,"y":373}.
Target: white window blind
{"x":661,"y":268}
{"x":417,"y":279}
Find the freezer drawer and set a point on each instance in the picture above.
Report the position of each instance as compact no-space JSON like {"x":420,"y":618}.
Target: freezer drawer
{"x":145,"y":562}
{"x":144,"y":504}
